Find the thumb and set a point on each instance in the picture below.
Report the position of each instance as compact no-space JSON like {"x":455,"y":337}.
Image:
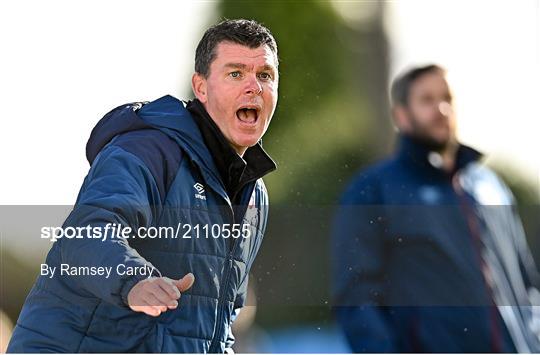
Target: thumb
{"x":185,"y":282}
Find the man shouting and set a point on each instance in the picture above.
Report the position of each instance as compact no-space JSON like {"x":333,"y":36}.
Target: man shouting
{"x":185,"y":179}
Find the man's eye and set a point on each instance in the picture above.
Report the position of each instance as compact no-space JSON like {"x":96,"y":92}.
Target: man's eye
{"x":265,"y":76}
{"x":234,"y":74}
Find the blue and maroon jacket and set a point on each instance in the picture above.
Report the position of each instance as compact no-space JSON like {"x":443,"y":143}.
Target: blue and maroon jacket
{"x":149,"y":167}
{"x":426,"y":260}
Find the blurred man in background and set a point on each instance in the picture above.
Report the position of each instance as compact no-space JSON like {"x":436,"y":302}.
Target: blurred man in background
{"x":429,"y":254}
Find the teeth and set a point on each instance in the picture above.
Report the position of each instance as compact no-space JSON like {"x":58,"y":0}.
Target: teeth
{"x":247,"y":115}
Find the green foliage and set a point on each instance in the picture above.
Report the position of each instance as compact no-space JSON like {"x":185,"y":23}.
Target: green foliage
{"x":320,"y":133}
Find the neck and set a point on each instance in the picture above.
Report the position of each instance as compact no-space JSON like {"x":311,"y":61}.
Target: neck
{"x":448,"y":155}
{"x":239,"y":150}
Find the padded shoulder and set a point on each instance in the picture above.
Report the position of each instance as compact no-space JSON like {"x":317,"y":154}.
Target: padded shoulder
{"x":159,"y":153}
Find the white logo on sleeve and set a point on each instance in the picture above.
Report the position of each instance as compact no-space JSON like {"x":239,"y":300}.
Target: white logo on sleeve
{"x":200,"y":191}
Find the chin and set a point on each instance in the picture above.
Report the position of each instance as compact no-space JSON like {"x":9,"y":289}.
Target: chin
{"x":247,"y":143}
{"x":430,"y":141}
{"x":246,"y":139}
{"x":442,"y":140}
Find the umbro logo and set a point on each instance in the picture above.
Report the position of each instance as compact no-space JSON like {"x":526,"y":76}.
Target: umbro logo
{"x":200,"y":191}
{"x":199,"y":187}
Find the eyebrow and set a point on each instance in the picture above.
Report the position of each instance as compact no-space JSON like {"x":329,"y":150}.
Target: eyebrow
{"x":235,"y":65}
{"x":243,"y":66}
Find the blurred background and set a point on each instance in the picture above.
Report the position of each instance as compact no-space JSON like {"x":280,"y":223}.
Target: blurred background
{"x":65,"y":64}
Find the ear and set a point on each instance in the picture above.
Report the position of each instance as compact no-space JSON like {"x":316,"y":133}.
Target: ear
{"x":401,"y":118}
{"x":198,"y":84}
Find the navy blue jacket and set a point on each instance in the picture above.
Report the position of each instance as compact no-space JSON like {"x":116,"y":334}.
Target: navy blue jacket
{"x":407,"y":265}
{"x":149,"y":167}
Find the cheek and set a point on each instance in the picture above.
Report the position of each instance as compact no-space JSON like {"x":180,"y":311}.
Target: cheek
{"x":418,"y":113}
{"x":271,"y":101}
{"x":428,"y":115}
{"x":274,"y":92}
{"x":219,"y":102}
{"x":216,"y":90}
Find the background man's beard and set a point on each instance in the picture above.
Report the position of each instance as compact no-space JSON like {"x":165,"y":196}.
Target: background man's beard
{"x":430,"y":143}
{"x":420,"y":135}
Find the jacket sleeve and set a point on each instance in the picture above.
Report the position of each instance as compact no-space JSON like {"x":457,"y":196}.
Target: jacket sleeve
{"x":528,"y":268}
{"x":358,"y":262}
{"x":119,"y":189}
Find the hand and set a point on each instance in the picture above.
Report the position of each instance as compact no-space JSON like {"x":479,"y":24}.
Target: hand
{"x":156,"y":295}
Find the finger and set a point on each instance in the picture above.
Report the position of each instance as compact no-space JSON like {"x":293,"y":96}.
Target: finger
{"x":147,"y":309}
{"x":163,"y":297}
{"x":168,"y":286}
{"x":185,"y":282}
{"x":155,"y":302}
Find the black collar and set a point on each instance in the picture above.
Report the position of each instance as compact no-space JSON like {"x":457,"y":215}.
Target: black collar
{"x":417,"y":152}
{"x":235,"y":172}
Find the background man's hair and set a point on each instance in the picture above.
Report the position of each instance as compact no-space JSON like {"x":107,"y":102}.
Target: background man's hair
{"x":401,"y":86}
{"x":245,"y":32}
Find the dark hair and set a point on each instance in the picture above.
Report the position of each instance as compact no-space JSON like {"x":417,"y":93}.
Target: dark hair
{"x":401,"y":86}
{"x":245,"y":32}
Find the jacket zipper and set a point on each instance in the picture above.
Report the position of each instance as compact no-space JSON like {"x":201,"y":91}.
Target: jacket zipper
{"x":215,"y":340}
{"x":226,"y":276}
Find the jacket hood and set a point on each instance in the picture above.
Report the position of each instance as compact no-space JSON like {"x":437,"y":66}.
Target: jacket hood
{"x":120,"y":120}
{"x":169,"y":115}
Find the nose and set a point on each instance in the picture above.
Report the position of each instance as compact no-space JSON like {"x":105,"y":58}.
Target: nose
{"x":253,"y":87}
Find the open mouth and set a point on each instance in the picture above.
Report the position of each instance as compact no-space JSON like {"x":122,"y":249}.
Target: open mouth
{"x":248,"y":114}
